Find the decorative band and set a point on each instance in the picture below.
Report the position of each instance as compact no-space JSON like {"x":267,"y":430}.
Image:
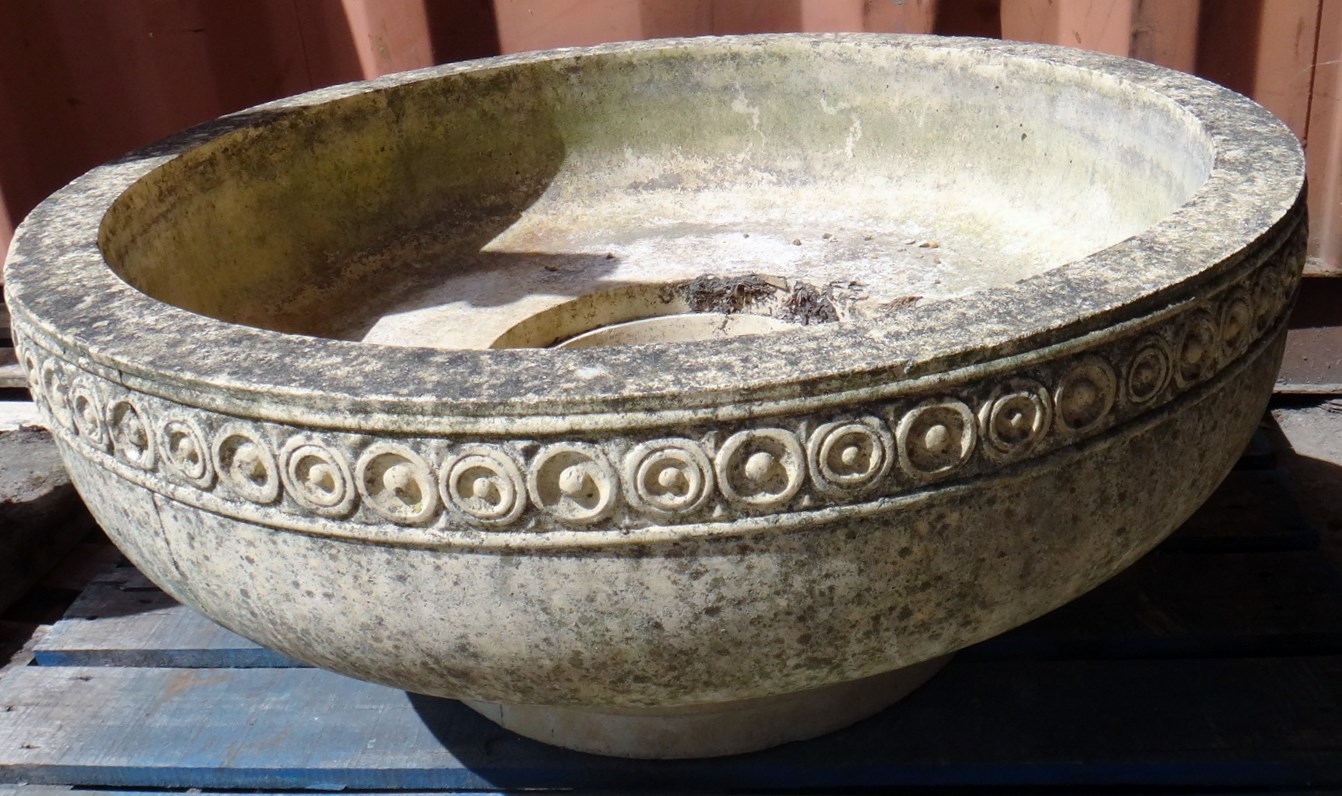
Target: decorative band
{"x":436,"y":489}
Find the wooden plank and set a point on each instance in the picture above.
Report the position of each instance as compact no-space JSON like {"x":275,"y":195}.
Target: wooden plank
{"x":61,"y":790}
{"x":1250,"y":511}
{"x":11,"y":375}
{"x":15,"y":415}
{"x":69,"y":791}
{"x":1174,"y":605}
{"x":65,"y":790}
{"x":1002,"y":723}
{"x":17,"y":639}
{"x":1163,"y":606}
{"x":41,"y":515}
{"x":85,"y":563}
{"x":1166,"y":604}
{"x":1261,"y":452}
{"x":122,"y":619}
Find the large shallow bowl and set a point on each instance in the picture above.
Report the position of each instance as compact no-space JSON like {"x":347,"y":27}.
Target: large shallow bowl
{"x":674,"y":398}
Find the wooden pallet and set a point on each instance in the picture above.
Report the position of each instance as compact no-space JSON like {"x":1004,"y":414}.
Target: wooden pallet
{"x":41,"y":516}
{"x":1214,"y":663}
{"x":11,"y":376}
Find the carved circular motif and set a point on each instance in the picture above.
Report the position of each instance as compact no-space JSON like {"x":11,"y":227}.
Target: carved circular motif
{"x":87,"y":411}
{"x":1196,"y":352}
{"x":760,"y":468}
{"x":131,"y":436}
{"x":1289,"y":270}
{"x":1268,"y":294}
{"x":31,"y":371}
{"x":1085,"y":394}
{"x":675,"y":478}
{"x":1237,"y":323}
{"x":1015,"y":418}
{"x":1150,"y":370}
{"x":55,"y":389}
{"x":396,"y":483}
{"x":850,"y":456}
{"x":485,"y":485}
{"x":245,"y":464}
{"x":668,"y":476}
{"x":935,"y":437}
{"x":185,"y":452}
{"x":317,"y":477}
{"x":572,"y":481}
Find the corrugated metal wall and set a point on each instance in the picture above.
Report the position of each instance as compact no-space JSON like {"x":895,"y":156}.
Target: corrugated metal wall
{"x":82,"y":82}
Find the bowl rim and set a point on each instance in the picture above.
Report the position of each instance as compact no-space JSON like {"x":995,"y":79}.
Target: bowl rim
{"x":60,"y":288}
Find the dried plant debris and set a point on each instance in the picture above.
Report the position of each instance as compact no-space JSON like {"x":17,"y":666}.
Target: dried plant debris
{"x":795,"y":301}
{"x":807,"y":305}
{"x":727,"y":294}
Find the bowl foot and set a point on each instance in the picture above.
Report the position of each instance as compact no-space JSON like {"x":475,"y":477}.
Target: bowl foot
{"x":711,"y":730}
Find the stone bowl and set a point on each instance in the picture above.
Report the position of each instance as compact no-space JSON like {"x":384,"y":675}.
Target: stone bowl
{"x":667,"y":399}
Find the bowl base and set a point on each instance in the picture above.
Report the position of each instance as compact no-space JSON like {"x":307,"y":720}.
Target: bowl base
{"x":711,"y":730}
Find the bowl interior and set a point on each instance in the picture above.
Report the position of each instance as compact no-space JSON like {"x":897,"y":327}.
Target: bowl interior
{"x":527,"y":202}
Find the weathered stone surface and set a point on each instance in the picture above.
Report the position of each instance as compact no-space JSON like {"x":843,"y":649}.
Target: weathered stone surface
{"x":991,"y":320}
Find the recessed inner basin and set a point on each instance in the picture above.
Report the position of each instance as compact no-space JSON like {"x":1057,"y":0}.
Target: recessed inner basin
{"x":679,"y":328}
{"x":469,"y":210}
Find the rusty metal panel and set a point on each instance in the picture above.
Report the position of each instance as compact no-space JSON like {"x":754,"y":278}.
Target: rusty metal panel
{"x":1262,"y":48}
{"x":831,"y":16}
{"x":387,"y":35}
{"x":84,"y":82}
{"x":1165,"y":32}
{"x":528,"y":25}
{"x":1323,"y":147}
{"x":910,"y":16}
{"x":1106,"y":27}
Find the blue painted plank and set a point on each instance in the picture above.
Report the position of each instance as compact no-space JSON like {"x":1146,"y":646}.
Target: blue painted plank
{"x":70,"y":791}
{"x":122,"y":619}
{"x":1261,"y":452}
{"x":1176,"y":605}
{"x":1166,"y":605}
{"x":60,"y":790}
{"x":1248,"y":723}
{"x":67,"y":791}
{"x":1251,"y":511}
